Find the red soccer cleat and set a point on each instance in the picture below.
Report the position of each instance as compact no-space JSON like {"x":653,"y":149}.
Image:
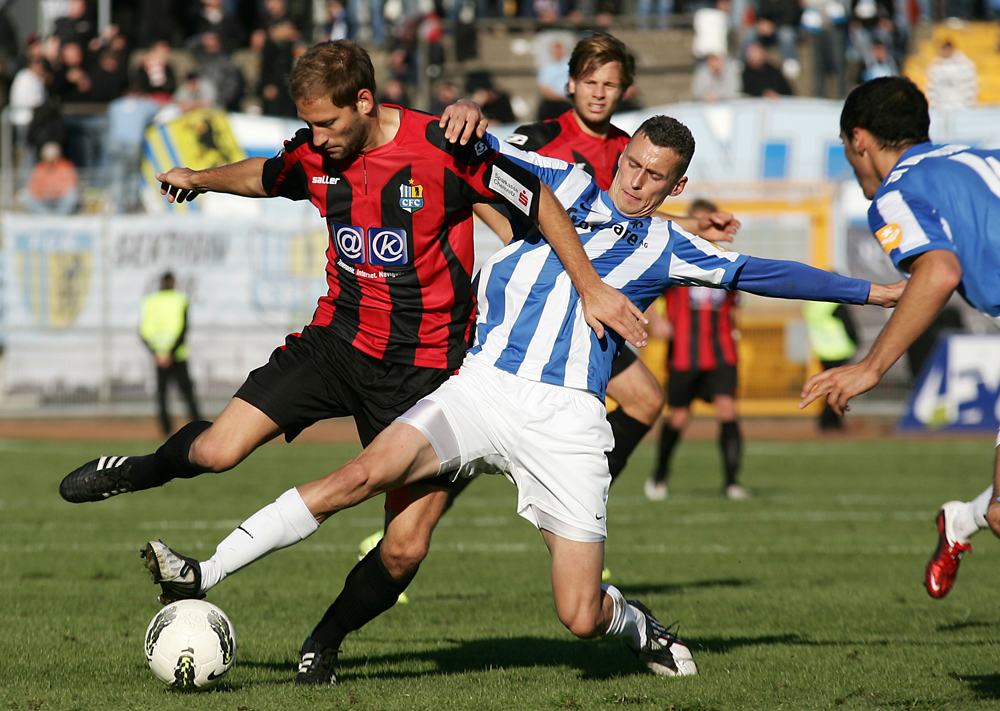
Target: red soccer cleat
{"x":943,"y":565}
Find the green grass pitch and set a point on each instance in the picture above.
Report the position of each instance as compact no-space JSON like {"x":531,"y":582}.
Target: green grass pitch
{"x":809,"y":596}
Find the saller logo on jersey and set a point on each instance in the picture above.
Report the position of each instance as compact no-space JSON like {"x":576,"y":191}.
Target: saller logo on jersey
{"x":325,"y":180}
{"x":506,"y":186}
{"x":411,"y":197}
{"x":889,"y":237}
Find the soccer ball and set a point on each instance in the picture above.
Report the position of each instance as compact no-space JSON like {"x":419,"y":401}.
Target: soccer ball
{"x":190,"y":645}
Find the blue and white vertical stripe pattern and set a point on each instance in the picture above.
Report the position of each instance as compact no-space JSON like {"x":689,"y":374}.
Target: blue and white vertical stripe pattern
{"x":531,"y":322}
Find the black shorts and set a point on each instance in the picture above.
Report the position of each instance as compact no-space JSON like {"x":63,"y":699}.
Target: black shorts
{"x":683,"y":386}
{"x":626,"y":358}
{"x":317,"y":375}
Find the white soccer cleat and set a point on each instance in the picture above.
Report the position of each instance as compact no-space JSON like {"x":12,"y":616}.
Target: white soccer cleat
{"x":655,"y":490}
{"x":664,"y":653}
{"x":735,"y":492}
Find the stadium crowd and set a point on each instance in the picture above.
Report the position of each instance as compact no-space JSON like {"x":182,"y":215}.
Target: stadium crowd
{"x":93,"y":89}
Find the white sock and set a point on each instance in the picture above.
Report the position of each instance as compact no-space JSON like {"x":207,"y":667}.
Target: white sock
{"x":971,"y":518}
{"x":627,"y":621}
{"x":279,"y":525}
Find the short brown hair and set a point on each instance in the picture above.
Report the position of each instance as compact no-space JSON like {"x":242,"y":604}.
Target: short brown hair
{"x":337,"y":70}
{"x":593,"y":52}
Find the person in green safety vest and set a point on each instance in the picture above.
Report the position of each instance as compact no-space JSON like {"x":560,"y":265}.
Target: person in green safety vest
{"x":834,"y":339}
{"x":163,"y":327}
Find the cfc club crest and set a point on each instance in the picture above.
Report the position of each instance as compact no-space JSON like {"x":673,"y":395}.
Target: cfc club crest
{"x":411,"y":197}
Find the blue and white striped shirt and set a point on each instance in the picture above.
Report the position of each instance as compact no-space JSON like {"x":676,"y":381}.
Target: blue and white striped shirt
{"x":530,"y":321}
{"x":945,"y":197}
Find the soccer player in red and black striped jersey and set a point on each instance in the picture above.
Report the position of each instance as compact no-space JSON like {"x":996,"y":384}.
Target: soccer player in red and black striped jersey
{"x":397,"y":195}
{"x":701,"y":364}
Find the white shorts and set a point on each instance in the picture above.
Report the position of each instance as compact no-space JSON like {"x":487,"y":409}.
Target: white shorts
{"x":547,"y":439}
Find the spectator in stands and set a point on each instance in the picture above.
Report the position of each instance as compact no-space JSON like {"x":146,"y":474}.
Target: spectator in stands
{"x":872,"y":20}
{"x":445,"y":95}
{"x":128,"y":119}
{"x":212,"y":17}
{"x":108,"y":79}
{"x":777,"y":23}
{"x":77,"y":25}
{"x":879,"y":63}
{"x":952,"y":80}
{"x":553,"y":78}
{"x":760,"y":77}
{"x":664,"y":10}
{"x":494,"y":103}
{"x":826,"y":21}
{"x":154,"y":75}
{"x":83,"y":103}
{"x":281,"y":45}
{"x":28,"y":91}
{"x":71,"y":78}
{"x":216,"y":65}
{"x":196,"y":92}
{"x":393,"y":91}
{"x":53,"y":186}
{"x":711,"y":30}
{"x":338,"y":24}
{"x":717,"y":78}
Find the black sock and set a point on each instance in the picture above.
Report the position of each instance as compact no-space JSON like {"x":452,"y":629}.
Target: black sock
{"x":368,"y":592}
{"x":668,"y":440}
{"x":628,"y":433}
{"x":731,"y":444}
{"x":170,"y":461}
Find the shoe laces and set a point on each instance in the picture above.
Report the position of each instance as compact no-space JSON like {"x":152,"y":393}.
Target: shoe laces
{"x":951,"y":555}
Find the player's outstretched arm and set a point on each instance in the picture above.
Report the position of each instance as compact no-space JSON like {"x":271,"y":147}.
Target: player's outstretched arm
{"x":243,"y":178}
{"x":603,"y":305}
{"x":935,"y":276}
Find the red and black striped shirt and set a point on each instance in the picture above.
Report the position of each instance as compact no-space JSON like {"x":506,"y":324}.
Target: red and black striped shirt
{"x":702,"y":328}
{"x":563,"y":138}
{"x":400,"y":220}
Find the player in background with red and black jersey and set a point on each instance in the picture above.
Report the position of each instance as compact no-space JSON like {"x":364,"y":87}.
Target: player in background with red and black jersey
{"x":701,"y":363}
{"x":397,"y":195}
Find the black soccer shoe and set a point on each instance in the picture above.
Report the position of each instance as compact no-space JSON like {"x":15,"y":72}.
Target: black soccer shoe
{"x":177,"y":575}
{"x":97,"y":480}
{"x":663,"y":652}
{"x":318,"y":665}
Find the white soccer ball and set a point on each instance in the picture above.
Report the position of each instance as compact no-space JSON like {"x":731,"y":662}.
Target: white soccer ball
{"x":190,"y":644}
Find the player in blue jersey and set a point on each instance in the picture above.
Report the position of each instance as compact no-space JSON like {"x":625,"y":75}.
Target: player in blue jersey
{"x":529,"y":398}
{"x":936,"y":212}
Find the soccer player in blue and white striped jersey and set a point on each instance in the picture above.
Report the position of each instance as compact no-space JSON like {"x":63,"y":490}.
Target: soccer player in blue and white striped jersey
{"x":529,"y":398}
{"x":936,"y":212}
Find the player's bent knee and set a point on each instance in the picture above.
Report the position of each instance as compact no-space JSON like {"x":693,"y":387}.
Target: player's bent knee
{"x":214,"y":453}
{"x":402,"y":558}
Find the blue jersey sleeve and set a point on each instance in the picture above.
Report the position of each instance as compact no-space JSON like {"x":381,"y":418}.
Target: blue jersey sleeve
{"x":906,"y":225}
{"x":792,"y":280}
